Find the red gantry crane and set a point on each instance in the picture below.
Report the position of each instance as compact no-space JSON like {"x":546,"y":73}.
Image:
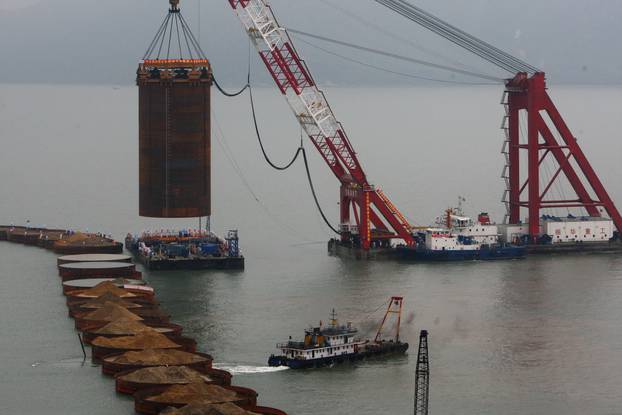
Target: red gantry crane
{"x":527,"y":91}
{"x":377,"y":220}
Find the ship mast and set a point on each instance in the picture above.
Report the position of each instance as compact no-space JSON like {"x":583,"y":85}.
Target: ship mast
{"x":395,"y":307}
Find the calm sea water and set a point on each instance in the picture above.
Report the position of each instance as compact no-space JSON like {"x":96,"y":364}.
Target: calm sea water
{"x":540,"y":336}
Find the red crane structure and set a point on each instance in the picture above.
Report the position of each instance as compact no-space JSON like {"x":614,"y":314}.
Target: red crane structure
{"x":377,"y":220}
{"x":527,"y":91}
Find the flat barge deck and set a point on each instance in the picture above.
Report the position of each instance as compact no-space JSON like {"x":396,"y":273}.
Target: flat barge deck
{"x":339,"y":249}
{"x":610,"y":247}
{"x":186,"y":250}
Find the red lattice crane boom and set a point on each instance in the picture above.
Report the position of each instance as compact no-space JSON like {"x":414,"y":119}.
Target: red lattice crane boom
{"x":376,"y":217}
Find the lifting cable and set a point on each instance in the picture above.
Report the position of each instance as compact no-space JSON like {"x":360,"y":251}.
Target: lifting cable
{"x":459,"y":37}
{"x":368,"y":24}
{"x":396,"y":56}
{"x":387,"y":70}
{"x":174,"y":25}
{"x":445,"y":30}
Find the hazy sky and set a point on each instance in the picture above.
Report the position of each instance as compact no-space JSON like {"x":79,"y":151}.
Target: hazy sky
{"x":100,"y":41}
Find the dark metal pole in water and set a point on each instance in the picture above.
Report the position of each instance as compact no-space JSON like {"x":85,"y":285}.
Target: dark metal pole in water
{"x":82,"y":345}
{"x":422,"y":376}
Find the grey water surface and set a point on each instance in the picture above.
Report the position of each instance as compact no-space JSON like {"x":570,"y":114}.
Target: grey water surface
{"x":539,"y":336}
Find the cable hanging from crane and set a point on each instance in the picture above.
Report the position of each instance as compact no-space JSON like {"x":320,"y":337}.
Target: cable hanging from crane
{"x":300,"y":150}
{"x":230,"y":94}
{"x":263,"y":150}
{"x":396,"y":56}
{"x":369,"y":24}
{"x":174,"y":32}
{"x":480,"y":48}
{"x":391,"y":71}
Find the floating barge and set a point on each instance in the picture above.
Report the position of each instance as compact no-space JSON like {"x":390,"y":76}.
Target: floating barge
{"x":79,"y":270}
{"x":93,"y":258}
{"x":86,"y":243}
{"x":459,"y":238}
{"x":186,"y":250}
{"x":133,"y":381}
{"x":120,"y":320}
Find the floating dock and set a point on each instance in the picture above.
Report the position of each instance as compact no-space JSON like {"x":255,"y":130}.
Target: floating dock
{"x":93,"y":258}
{"x":77,"y":270}
{"x":120,"y":319}
{"x":186,"y":250}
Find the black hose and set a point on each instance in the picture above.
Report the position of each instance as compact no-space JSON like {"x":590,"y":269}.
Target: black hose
{"x":299,"y":151}
{"x":229,"y":94}
{"x":263,"y":150}
{"x":317,"y":203}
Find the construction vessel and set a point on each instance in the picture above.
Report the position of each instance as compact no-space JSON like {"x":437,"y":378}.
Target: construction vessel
{"x":186,"y":250}
{"x":126,"y":342}
{"x":370,"y":223}
{"x":457,"y":237}
{"x":335,"y":343}
{"x":174,"y":124}
{"x":174,"y":80}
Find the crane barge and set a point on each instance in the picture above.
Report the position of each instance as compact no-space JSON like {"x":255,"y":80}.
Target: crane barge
{"x":369,"y":221}
{"x":526,"y":92}
{"x":376,"y":219}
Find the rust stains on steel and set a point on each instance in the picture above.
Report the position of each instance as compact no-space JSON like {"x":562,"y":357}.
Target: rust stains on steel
{"x":82,"y":270}
{"x":174,"y":138}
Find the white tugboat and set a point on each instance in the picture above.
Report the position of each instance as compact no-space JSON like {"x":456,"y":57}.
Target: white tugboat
{"x":338,"y":343}
{"x":457,"y":237}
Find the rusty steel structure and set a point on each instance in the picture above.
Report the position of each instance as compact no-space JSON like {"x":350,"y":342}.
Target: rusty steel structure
{"x":174,"y":80}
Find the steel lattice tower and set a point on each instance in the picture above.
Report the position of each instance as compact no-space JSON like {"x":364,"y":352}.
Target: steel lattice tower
{"x":422,"y":381}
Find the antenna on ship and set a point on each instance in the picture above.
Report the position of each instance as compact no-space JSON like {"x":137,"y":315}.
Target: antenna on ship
{"x":333,"y":319}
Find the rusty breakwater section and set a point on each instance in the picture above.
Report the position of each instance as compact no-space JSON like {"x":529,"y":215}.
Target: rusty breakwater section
{"x":118,"y":316}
